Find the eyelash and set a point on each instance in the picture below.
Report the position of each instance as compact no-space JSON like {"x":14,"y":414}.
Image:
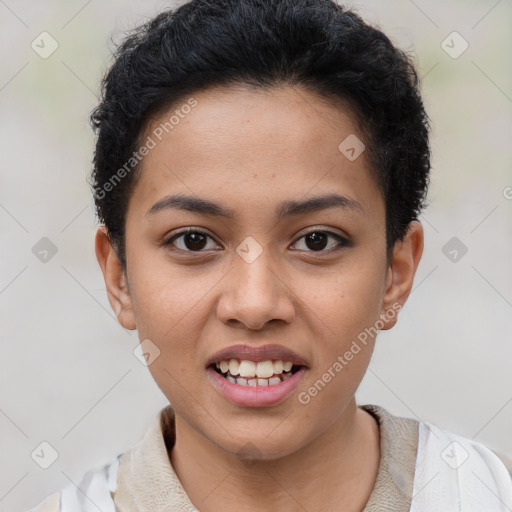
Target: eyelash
{"x":342,"y":241}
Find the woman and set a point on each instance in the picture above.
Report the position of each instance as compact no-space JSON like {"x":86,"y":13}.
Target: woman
{"x":259,"y":171}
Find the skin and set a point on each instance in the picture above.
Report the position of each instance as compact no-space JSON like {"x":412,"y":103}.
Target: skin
{"x":248,"y":151}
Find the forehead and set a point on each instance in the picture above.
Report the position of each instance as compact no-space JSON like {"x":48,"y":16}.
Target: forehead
{"x":255,"y":144}
{"x":285,"y":117}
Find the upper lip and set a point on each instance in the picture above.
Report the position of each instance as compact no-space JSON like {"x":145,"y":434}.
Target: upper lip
{"x":255,"y":353}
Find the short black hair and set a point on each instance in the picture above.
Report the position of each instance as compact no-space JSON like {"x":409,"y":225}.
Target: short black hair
{"x":317,"y":44}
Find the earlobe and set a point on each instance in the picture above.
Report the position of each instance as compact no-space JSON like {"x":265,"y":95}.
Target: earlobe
{"x":401,"y":271}
{"x":115,"y":279}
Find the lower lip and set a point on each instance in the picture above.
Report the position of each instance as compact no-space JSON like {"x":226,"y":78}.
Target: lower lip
{"x":259,"y":396}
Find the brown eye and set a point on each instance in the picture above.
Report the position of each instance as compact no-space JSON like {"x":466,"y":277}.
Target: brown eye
{"x":317,"y":241}
{"x":192,"y":240}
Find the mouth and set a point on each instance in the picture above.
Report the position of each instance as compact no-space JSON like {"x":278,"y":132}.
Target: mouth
{"x":256,"y":376}
{"x":255,"y":373}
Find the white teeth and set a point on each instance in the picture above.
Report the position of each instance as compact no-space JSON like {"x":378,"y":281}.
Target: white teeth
{"x":247,"y":368}
{"x":278,"y":367}
{"x":258,"y":382}
{"x":262,"y":373}
{"x":264,"y":369}
{"x":234,"y":366}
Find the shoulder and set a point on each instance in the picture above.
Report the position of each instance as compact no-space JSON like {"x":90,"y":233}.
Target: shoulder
{"x":453,"y":471}
{"x":123,"y":481}
{"x":433,"y":464}
{"x":412,"y":430}
{"x":96,"y":485}
{"x":456,"y":449}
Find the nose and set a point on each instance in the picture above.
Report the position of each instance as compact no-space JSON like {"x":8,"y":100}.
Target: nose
{"x":255,"y":294}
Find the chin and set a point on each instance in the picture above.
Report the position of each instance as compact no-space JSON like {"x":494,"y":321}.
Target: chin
{"x":262,"y":447}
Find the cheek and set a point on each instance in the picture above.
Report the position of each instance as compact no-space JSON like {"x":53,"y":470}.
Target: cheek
{"x":167,"y":303}
{"x":171,"y":309}
{"x":343,"y":311}
{"x":344,"y":303}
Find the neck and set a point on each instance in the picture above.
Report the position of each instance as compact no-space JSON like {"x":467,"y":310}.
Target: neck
{"x":336,"y":471}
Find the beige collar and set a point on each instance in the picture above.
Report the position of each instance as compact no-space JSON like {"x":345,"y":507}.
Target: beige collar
{"x":147,"y":481}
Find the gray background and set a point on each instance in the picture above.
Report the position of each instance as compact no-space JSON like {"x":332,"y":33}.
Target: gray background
{"x":68,"y":375}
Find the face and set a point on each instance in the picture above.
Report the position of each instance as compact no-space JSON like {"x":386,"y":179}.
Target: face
{"x":253,"y":244}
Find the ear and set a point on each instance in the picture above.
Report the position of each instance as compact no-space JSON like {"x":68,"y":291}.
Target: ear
{"x":115,"y":279}
{"x":402,"y":268}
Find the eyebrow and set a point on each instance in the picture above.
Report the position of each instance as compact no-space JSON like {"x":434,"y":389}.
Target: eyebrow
{"x":284,"y":210}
